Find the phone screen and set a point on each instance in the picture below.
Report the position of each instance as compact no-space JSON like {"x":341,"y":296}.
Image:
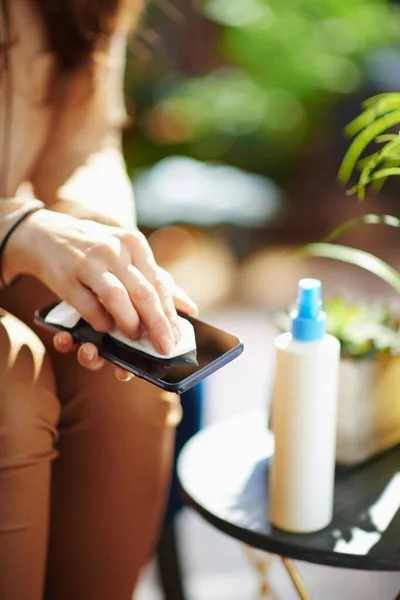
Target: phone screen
{"x":214,"y":349}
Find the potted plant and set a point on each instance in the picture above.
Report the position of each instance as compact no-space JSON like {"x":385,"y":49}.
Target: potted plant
{"x":369,"y":397}
{"x":369,"y":386}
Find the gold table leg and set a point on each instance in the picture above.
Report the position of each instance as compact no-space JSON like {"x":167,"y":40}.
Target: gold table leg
{"x":296,"y":578}
{"x":261,"y":562}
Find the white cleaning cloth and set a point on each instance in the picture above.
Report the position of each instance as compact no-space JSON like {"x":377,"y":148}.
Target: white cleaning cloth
{"x":65,"y":315}
{"x":186,"y":343}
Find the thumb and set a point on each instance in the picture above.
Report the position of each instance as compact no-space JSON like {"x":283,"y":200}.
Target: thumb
{"x":63,"y":342}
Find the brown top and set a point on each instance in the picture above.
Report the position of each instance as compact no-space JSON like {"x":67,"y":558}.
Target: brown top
{"x":65,"y":155}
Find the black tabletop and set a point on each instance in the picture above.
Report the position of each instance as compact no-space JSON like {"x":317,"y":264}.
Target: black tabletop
{"x":223,"y":471}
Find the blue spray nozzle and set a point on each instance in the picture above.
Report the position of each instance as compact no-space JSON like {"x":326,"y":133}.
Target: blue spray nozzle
{"x":309,"y":301}
{"x":308,"y":320}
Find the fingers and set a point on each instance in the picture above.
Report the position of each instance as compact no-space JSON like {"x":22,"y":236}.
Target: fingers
{"x":123,"y":375}
{"x":184,"y":304}
{"x":148,"y":305}
{"x":88,"y":357}
{"x":178,"y":295}
{"x":90,"y":308}
{"x":161,"y":285}
{"x":131,"y":287}
{"x":130,"y":298}
{"x":63,"y":342}
{"x":143,"y":259}
{"x":166,"y":300}
{"x":181,"y":299}
{"x":114,"y":297}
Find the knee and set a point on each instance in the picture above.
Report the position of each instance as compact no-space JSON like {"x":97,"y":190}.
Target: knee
{"x":29,"y":409}
{"x":155,"y":408}
{"x":101,"y":396}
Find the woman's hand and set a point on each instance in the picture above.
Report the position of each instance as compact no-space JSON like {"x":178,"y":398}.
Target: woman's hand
{"x":88,"y":355}
{"x":107,"y":274}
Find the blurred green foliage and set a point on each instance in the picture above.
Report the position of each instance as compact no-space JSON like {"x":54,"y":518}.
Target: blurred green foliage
{"x":364,"y":331}
{"x":381,"y":113}
{"x":281,"y":63}
{"x":354,"y":256}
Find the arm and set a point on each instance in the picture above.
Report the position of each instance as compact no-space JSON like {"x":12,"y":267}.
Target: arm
{"x":12,"y":212}
{"x":81,"y":171}
{"x":107,"y":273}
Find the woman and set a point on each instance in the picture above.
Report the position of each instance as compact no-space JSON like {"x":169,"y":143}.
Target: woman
{"x":84,"y":459}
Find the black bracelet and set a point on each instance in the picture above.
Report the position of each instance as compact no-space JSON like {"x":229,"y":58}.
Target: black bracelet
{"x":3,"y":244}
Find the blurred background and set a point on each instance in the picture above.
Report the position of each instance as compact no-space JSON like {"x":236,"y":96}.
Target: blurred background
{"x":238,"y":109}
{"x":237,"y":124}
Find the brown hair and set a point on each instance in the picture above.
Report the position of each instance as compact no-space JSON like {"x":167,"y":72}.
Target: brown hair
{"x":76,"y":29}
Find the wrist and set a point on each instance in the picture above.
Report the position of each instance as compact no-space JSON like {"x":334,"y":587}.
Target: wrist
{"x":17,"y":257}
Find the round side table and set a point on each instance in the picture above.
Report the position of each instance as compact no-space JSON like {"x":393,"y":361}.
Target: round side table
{"x":223,"y":471}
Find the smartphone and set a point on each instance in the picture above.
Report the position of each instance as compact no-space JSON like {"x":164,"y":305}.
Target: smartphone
{"x":215,"y":348}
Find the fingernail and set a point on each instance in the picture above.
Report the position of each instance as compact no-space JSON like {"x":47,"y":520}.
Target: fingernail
{"x":63,"y":339}
{"x":89,"y":353}
{"x":124,"y":377}
{"x":167,"y":345}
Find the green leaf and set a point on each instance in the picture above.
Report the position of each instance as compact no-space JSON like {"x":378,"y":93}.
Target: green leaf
{"x":364,"y":329}
{"x":356,"y":257}
{"x":388,"y":151}
{"x":378,"y":185}
{"x":384,"y":105}
{"x":390,"y":147}
{"x":391,"y":161}
{"x":378,"y":178}
{"x":364,"y":179}
{"x":378,"y":97}
{"x":387,"y":137}
{"x":362,"y":140}
{"x":387,"y":158}
{"x":374,"y":158}
{"x":369,"y":219}
{"x":372,"y":161}
{"x":384,"y":173}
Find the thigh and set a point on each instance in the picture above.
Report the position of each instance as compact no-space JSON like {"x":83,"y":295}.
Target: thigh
{"x":111,"y":479}
{"x":28,"y":402}
{"x":29,"y":413}
{"x":110,"y":482}
{"x":22,"y":299}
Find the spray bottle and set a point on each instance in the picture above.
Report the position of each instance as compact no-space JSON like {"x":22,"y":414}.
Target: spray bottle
{"x":304,"y":410}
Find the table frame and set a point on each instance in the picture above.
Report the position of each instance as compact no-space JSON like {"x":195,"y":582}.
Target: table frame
{"x":252,"y":538}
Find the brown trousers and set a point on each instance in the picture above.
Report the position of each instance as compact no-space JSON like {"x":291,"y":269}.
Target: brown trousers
{"x":84,"y":466}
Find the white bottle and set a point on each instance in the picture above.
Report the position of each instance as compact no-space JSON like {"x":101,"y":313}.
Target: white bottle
{"x":304,"y":410}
